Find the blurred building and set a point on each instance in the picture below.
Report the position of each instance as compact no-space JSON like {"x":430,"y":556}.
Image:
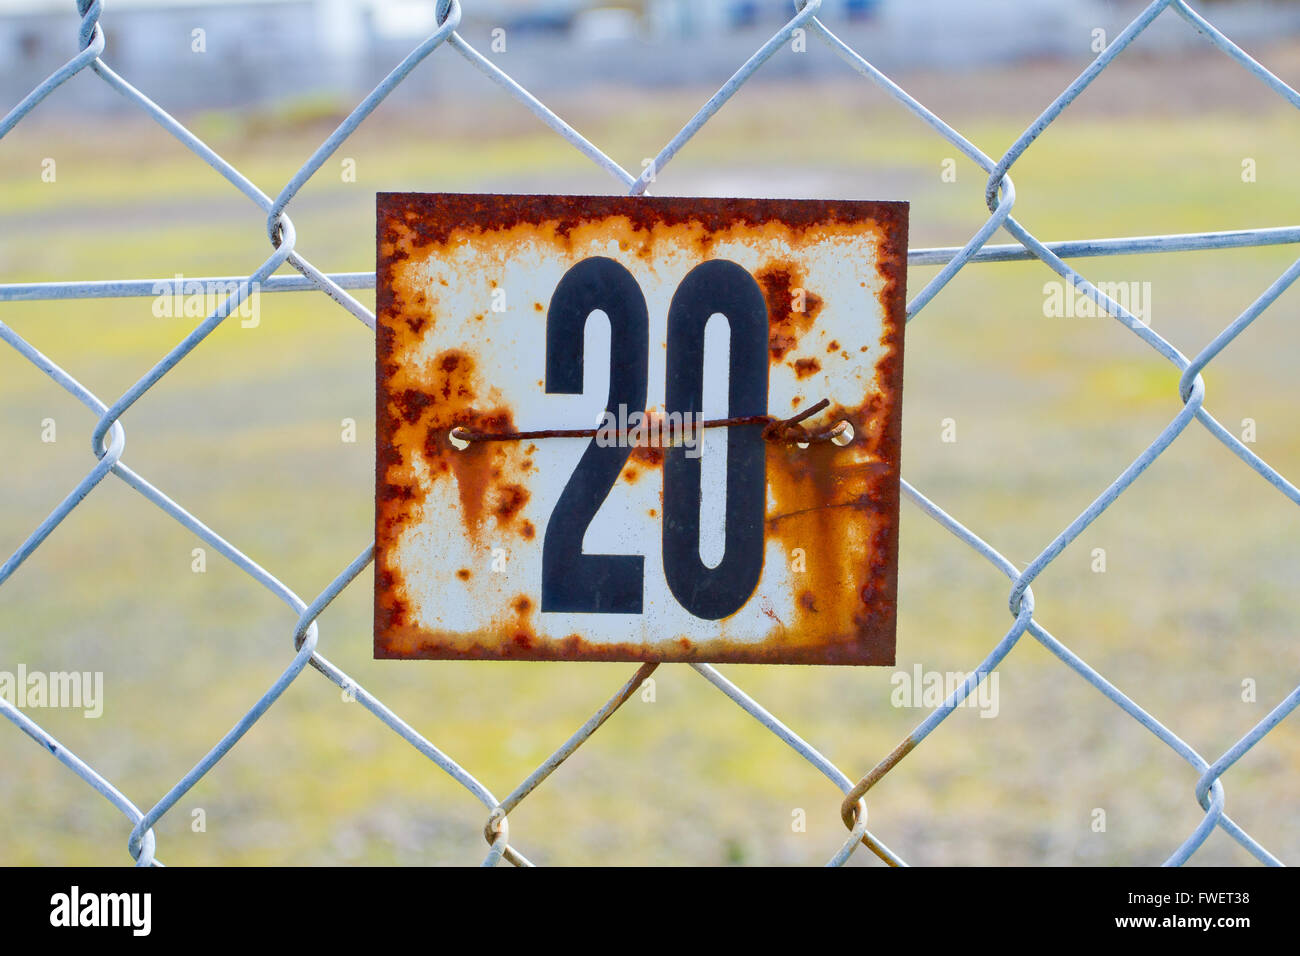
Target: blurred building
{"x":200,"y":54}
{"x":686,"y":18}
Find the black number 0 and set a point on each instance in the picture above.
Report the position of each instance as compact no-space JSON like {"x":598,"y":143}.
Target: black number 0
{"x":613,"y":584}
{"x":722,"y":287}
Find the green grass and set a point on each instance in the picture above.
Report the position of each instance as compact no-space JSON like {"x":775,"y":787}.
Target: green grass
{"x":1198,"y":594}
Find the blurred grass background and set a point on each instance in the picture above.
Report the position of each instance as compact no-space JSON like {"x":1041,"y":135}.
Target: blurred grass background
{"x":1199,"y":594}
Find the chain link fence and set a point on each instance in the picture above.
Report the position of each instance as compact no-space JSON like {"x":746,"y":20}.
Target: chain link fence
{"x":108,"y":436}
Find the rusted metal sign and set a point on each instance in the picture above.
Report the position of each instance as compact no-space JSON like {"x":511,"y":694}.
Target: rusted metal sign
{"x":587,"y":435}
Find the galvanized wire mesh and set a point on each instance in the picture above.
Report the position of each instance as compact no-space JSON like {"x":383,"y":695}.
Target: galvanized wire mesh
{"x":108,"y":436}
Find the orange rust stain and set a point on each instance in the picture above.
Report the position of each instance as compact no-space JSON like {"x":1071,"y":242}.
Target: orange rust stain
{"x":650,"y":456}
{"x":805,"y":367}
{"x":836,"y":504}
{"x":445,"y":220}
{"x":770,"y":612}
{"x":524,"y":643}
{"x":527,"y":530}
{"x":463,"y":574}
{"x":834,"y":346}
{"x":510,"y":499}
{"x":475,"y":469}
{"x":447,"y":398}
{"x":522,"y":633}
{"x":782,"y":282}
{"x":425,"y":400}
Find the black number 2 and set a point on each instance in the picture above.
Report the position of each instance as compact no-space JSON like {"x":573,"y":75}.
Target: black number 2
{"x":614,"y":583}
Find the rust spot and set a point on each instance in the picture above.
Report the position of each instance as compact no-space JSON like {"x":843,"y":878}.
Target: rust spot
{"x":406,"y":221}
{"x":538,"y":306}
{"x":783,"y":288}
{"x":522,"y":604}
{"x":476,"y":470}
{"x":510,"y":498}
{"x":463,"y":574}
{"x":839,"y":504}
{"x":411,"y":404}
{"x":649,"y":455}
{"x":833,"y":346}
{"x":805,"y":367}
{"x":770,"y":612}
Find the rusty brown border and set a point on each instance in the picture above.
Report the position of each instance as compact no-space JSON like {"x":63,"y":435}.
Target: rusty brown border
{"x":434,"y":217}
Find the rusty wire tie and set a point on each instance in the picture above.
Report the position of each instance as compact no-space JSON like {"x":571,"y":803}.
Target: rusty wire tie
{"x":787,"y":430}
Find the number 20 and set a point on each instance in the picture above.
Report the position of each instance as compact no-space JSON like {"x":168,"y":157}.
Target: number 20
{"x":613,"y":583}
